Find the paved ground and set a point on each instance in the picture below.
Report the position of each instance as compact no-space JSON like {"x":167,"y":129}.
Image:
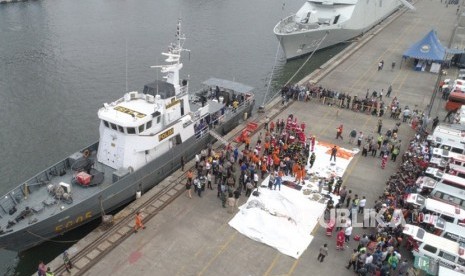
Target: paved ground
{"x":192,"y":237}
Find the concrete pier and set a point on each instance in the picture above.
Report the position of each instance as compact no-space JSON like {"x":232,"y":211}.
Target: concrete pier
{"x":192,"y":236}
{"x":11,"y":1}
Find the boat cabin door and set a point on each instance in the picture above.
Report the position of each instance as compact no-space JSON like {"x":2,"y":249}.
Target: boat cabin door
{"x":113,"y":155}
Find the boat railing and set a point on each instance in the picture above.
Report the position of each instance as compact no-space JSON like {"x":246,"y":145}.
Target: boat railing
{"x":308,"y":26}
{"x":289,"y":25}
{"x":183,"y":91}
{"x":202,"y":132}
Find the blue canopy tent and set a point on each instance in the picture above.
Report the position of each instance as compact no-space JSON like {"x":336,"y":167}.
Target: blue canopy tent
{"x":428,"y":49}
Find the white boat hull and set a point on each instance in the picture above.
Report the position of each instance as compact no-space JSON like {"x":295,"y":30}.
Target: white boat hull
{"x":326,"y":26}
{"x":296,"y":45}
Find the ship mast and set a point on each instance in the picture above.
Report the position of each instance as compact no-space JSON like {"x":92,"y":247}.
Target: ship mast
{"x":171,"y":70}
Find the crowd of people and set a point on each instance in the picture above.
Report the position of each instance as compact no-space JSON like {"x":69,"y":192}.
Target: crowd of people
{"x":374,"y":102}
{"x":377,"y":252}
{"x":282,"y":150}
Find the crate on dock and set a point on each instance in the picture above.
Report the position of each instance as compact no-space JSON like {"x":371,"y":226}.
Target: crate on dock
{"x":252,"y":126}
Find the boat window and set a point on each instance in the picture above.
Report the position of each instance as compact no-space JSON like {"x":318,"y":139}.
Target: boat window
{"x":113,"y":126}
{"x":461,"y":262}
{"x":149,"y":125}
{"x":447,"y":256}
{"x":121,"y":129}
{"x":182,"y":107}
{"x":430,"y":248}
{"x":131,"y":130}
{"x":141,"y":128}
{"x":105,"y":123}
{"x":158,"y":119}
{"x":336,"y":19}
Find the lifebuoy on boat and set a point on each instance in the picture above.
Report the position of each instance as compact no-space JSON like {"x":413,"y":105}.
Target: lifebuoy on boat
{"x":86,"y":153}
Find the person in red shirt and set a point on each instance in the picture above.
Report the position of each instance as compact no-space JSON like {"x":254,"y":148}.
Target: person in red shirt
{"x":339,"y":132}
{"x":340,"y":238}
{"x":313,"y":140}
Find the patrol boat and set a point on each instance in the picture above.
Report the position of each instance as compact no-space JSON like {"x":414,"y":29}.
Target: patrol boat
{"x":322,"y":23}
{"x":142,"y":139}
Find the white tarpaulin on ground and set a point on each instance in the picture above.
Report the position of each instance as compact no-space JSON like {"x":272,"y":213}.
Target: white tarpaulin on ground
{"x":281,"y":219}
{"x":325,"y":168}
{"x":285,"y":219}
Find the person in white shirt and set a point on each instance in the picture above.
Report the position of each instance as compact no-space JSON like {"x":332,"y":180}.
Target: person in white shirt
{"x":255,"y":179}
{"x":361,"y":205}
{"x":197,"y":160}
{"x":348,"y":233}
{"x":369,"y":259}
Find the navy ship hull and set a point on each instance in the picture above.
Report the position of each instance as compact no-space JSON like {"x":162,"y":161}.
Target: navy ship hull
{"x":105,"y":198}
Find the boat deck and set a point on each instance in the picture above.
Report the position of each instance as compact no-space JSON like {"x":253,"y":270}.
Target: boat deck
{"x":40,"y":202}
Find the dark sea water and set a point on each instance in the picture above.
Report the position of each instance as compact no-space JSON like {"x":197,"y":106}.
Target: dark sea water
{"x":60,"y":60}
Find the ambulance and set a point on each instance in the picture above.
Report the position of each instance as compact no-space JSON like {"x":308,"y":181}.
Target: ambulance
{"x":441,"y":157}
{"x":450,"y":194}
{"x":449,"y":138}
{"x":439,"y":249}
{"x":436,"y":212}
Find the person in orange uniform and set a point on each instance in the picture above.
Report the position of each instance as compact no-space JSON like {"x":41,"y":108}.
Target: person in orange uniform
{"x":138,"y":223}
{"x":303,"y":173}
{"x":247,"y":142}
{"x":267,"y":147}
{"x":190,"y":176}
{"x":295,"y":169}
{"x":298,"y":174}
{"x":263,"y":168}
{"x":276,"y":162}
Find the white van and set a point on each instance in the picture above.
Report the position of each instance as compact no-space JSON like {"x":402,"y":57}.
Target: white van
{"x":438,"y":212}
{"x":415,"y":199}
{"x":439,"y":209}
{"x":457,"y":170}
{"x":449,"y":138}
{"x":449,"y":194}
{"x":425,"y":182}
{"x":452,"y":180}
{"x":449,"y":271}
{"x":437,"y":248}
{"x":453,"y":232}
{"x":441,"y":157}
{"x":434,"y":173}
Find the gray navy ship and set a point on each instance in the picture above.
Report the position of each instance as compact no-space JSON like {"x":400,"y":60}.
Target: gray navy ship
{"x":323,"y":23}
{"x":142,"y":139}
